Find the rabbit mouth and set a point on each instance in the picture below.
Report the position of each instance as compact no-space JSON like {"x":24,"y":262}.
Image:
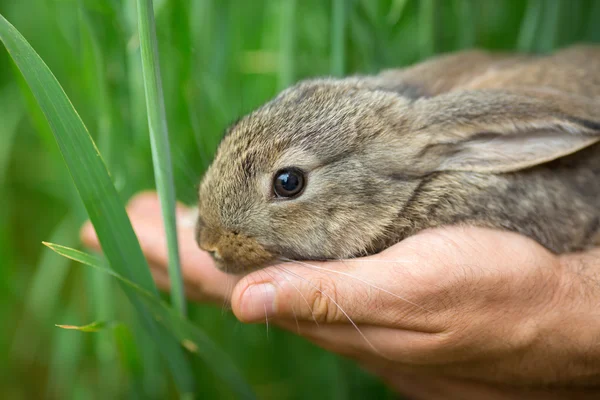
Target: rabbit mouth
{"x":242,"y":267}
{"x":234,"y":252}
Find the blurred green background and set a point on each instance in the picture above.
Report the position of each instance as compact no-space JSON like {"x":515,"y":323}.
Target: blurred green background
{"x":219,"y":59}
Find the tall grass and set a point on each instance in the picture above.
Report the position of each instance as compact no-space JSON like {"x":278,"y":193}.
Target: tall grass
{"x":218,"y":59}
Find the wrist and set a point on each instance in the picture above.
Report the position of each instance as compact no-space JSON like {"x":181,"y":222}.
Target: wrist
{"x":572,"y":326}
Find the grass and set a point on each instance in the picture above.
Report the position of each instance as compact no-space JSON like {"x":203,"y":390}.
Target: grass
{"x":159,"y":139}
{"x":97,"y":192}
{"x":218,"y":60}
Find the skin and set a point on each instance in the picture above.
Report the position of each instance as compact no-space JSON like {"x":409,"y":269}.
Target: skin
{"x":487,"y":313}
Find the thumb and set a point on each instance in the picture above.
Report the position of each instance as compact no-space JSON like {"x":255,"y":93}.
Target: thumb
{"x":359,"y":291}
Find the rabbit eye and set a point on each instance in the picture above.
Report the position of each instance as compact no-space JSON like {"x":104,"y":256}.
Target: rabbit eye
{"x":288,"y":182}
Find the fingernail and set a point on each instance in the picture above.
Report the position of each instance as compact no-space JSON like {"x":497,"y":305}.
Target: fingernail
{"x":258,"y":302}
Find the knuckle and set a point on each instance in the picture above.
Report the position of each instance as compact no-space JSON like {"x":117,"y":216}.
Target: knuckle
{"x":323,"y":301}
{"x":441,"y":348}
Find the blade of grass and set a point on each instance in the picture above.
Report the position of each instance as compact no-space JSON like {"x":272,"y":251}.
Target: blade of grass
{"x":363,"y":40}
{"x":338,"y":38}
{"x":159,"y":139}
{"x":96,"y":191}
{"x":287,"y":50}
{"x":93,"y":66}
{"x":593,"y":29}
{"x":530,"y":25}
{"x":135,"y":81}
{"x":427,"y":27}
{"x":34,"y":112}
{"x":66,"y":352}
{"x":396,"y":11}
{"x":100,"y":286}
{"x":372,"y":11}
{"x":131,"y":362}
{"x":188,"y":334}
{"x":550,"y":28}
{"x":10,"y":115}
{"x":91,"y":327}
{"x":151,"y":377}
{"x":147,"y":381}
{"x":468,"y":28}
{"x":43,"y":293}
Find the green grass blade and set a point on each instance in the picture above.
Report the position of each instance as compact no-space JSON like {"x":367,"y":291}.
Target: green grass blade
{"x":91,"y":327}
{"x":530,"y":25}
{"x":396,"y":11}
{"x":187,"y":333}
{"x":427,"y":27}
{"x":593,"y":29}
{"x":10,"y":115}
{"x":93,"y":66}
{"x":550,"y":29}
{"x":130,"y":360}
{"x":96,"y":262}
{"x":287,"y":51}
{"x":338,"y":37}
{"x":465,"y":10}
{"x":100,"y":286}
{"x":95,"y":188}
{"x":135,"y":81}
{"x":34,"y":112}
{"x":43,"y":293}
{"x":159,"y":139}
{"x":66,"y":352}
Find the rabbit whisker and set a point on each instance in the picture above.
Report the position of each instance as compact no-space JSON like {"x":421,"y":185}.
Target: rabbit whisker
{"x":358,"y":279}
{"x":266,"y":320}
{"x":293,"y":310}
{"x":301,"y":295}
{"x":265,"y":306}
{"x":338,"y":306}
{"x":228,"y":292}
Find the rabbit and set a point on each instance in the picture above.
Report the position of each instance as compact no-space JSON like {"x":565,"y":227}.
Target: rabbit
{"x":341,"y":168}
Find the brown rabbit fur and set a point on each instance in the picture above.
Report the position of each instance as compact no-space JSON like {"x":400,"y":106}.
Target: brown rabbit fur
{"x":497,"y":140}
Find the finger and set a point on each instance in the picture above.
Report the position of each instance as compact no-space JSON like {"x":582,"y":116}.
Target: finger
{"x":366,"y":290}
{"x":144,"y":206}
{"x":192,"y":292}
{"x":161,"y":278}
{"x":200,"y":276}
{"x":369,"y":343}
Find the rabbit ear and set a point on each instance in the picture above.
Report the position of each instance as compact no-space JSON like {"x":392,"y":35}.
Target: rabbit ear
{"x":502,"y":131}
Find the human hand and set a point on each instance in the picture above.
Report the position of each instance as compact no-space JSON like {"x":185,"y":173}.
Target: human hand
{"x":453,"y":312}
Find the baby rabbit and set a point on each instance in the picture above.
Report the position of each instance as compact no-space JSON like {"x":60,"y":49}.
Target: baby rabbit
{"x":338,"y":168}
